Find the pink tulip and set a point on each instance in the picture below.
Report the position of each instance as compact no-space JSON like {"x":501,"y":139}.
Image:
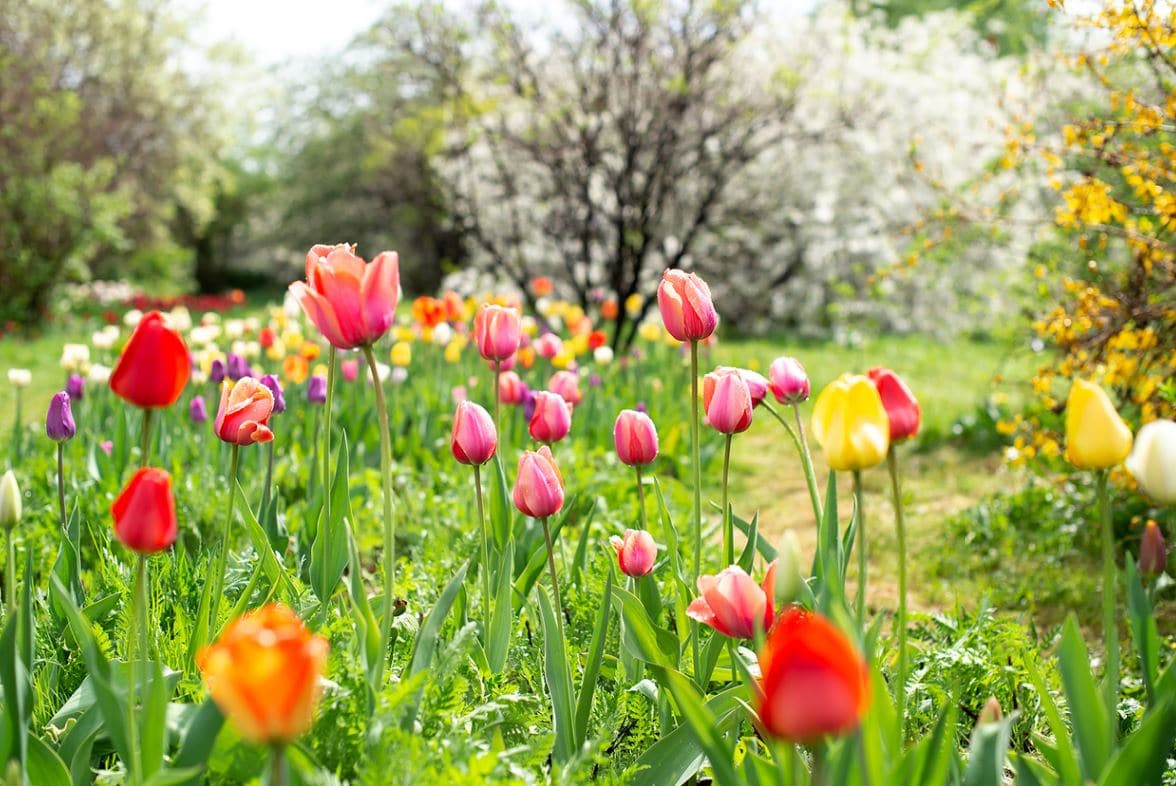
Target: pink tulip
{"x":548,"y":345}
{"x":244,"y":412}
{"x":733,"y":604}
{"x":497,"y":331}
{"x":727,"y":400}
{"x":350,"y":302}
{"x":538,"y":490}
{"x":552,"y":419}
{"x":635,"y":438}
{"x":511,"y":389}
{"x":567,"y":385}
{"x":757,"y":385}
{"x":686,"y":307}
{"x":350,"y":369}
{"x":459,"y":394}
{"x":503,"y":365}
{"x":636,"y":552}
{"x":790,"y":383}
{"x":474,"y":439}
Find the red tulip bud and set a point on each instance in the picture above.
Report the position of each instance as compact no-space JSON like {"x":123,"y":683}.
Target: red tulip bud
{"x":474,"y":439}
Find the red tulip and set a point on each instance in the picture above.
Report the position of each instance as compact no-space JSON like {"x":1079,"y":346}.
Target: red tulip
{"x":726,"y":399}
{"x":511,"y":389}
{"x":474,"y":439}
{"x":154,"y":366}
{"x":352,"y":303}
{"x":814,"y":681}
{"x":538,"y":490}
{"x":733,"y":604}
{"x":552,"y":419}
{"x":1153,"y":552}
{"x":244,"y":412}
{"x":497,"y":331}
{"x":145,"y":512}
{"x":686,"y":307}
{"x":790,"y":384}
{"x":899,"y":401}
{"x":567,"y":385}
{"x":636,"y":552}
{"x":635,"y":438}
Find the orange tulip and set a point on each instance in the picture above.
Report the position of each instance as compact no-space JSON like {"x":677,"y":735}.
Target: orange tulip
{"x":264,"y":674}
{"x":244,"y":412}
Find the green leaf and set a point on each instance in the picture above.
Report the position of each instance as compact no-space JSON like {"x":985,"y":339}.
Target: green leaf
{"x":535,"y":564}
{"x":1087,"y":712}
{"x":274,"y":570}
{"x":701,"y":721}
{"x":928,"y":761}
{"x":198,"y":737}
{"x":17,"y":690}
{"x":329,"y":551}
{"x":153,"y":740}
{"x":678,"y":756}
{"x":426,"y":639}
{"x":367,"y":629}
{"x":43,"y":766}
{"x":1143,"y":630}
{"x":988,"y":752}
{"x":501,"y":516}
{"x":642,"y":638}
{"x":747,"y":557}
{"x":1066,"y":761}
{"x":766,"y":550}
{"x":1142,"y":759}
{"x":559,"y":681}
{"x":502,"y":616}
{"x":592,"y":666}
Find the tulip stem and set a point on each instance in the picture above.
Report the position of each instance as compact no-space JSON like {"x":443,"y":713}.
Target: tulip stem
{"x":860,"y":497}
{"x":485,"y":552}
{"x":16,"y":430}
{"x":269,"y":478}
{"x":641,"y":498}
{"x":728,"y":526}
{"x":277,"y":768}
{"x":389,"y":521}
{"x":1110,"y":629}
{"x":9,"y":573}
{"x":61,"y":484}
{"x":497,"y":402}
{"x":327,"y":437}
{"x":218,"y":577}
{"x":900,"y":532}
{"x":818,"y":772}
{"x":806,"y":458}
{"x":554,"y":577}
{"x":145,"y":438}
{"x":138,"y":606}
{"x":696,"y":460}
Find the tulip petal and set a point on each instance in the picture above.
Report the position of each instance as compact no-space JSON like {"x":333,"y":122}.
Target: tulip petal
{"x":380,"y":291}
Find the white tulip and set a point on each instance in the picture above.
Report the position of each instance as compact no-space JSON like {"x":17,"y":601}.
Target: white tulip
{"x":20,"y":377}
{"x":1153,"y":461}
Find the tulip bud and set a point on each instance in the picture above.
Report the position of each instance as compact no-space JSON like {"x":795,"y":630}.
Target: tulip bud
{"x":789,"y":382}
{"x":511,"y":388}
{"x":497,"y":331}
{"x":757,"y":385}
{"x":567,"y":386}
{"x":154,"y":366}
{"x":10,"y":502}
{"x":686,"y":307}
{"x":548,"y":346}
{"x":636,"y":552}
{"x":1153,"y":552}
{"x":538,"y":490}
{"x":1096,"y":436}
{"x":275,"y":387}
{"x":75,"y":386}
{"x":991,"y":712}
{"x":238,"y":367}
{"x":726,"y":399}
{"x":788,"y":578}
{"x":145,"y":512}
{"x":59,"y":422}
{"x":350,"y":369}
{"x":216,"y":372}
{"x":1153,"y":461}
{"x":552,"y":419}
{"x":20,"y":377}
{"x":197,"y":410}
{"x":850,"y":423}
{"x":316,"y":390}
{"x":474,"y":439}
{"x":635,"y":438}
{"x":901,"y":407}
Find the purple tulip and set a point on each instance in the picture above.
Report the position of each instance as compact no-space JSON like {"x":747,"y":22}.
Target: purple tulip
{"x":641,"y":407}
{"x":316,"y":389}
{"x":238,"y":367}
{"x":75,"y":386}
{"x":528,"y":405}
{"x":197,"y":410}
{"x":59,"y":422}
{"x":594,"y":381}
{"x":275,"y":387}
{"x":216,"y":374}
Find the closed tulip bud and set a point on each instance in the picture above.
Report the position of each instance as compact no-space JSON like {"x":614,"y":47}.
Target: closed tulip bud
{"x":497,"y":331}
{"x":145,"y":512}
{"x":548,"y":346}
{"x":238,"y":367}
{"x":474,"y":439}
{"x":264,"y":672}
{"x":552,"y":419}
{"x":636,"y":552}
{"x":990,"y":713}
{"x":635,"y":438}
{"x":538,"y":490}
{"x":789,"y":382}
{"x":350,"y":370}
{"x":567,"y":385}
{"x":814,"y":682}
{"x":10,"y":503}
{"x":757,"y":385}
{"x":686,"y":307}
{"x":20,"y":377}
{"x":733,"y":604}
{"x":154,"y":366}
{"x":788,"y":578}
{"x":850,"y":423}
{"x":1153,"y":461}
{"x":726,"y":399}
{"x":1153,"y":552}
{"x":316,"y":390}
{"x":351,"y":302}
{"x":244,"y":413}
{"x":198,"y":410}
{"x":1096,"y":437}
{"x":902,"y":410}
{"x":275,"y":387}
{"x":511,"y":388}
{"x":59,"y":422}
{"x":216,"y":372}
{"x":75,"y":386}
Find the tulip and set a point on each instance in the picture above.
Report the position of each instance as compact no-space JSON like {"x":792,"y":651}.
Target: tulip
{"x":511,"y":388}
{"x":538,"y":490}
{"x":552,"y":419}
{"x":635,"y":438}
{"x":75,"y":386}
{"x":316,"y":389}
{"x":350,"y":370}
{"x":352,"y":303}
{"x":107,"y":446}
{"x":474,"y":440}
{"x":1153,"y":461}
{"x":990,"y":713}
{"x":902,"y":409}
{"x":636,"y":552}
{"x":789,"y":382}
{"x":217,"y":372}
{"x":238,"y":367}
{"x":814,"y":682}
{"x":401,"y":354}
{"x":264,"y":672}
{"x":548,"y":345}
{"x":197,"y":410}
{"x":275,"y":387}
{"x":154,"y":366}
{"x":244,"y":413}
{"x":733,"y":604}
{"x":20,"y":377}
{"x":497,"y":331}
{"x":850,"y":423}
{"x":10,"y":502}
{"x":727,"y":400}
{"x":145,"y":512}
{"x":1096,"y":437}
{"x":603,"y":355}
{"x":686,"y":307}
{"x":567,"y":385}
{"x":1153,"y":552}
{"x":59,"y":422}
{"x":541,"y":286}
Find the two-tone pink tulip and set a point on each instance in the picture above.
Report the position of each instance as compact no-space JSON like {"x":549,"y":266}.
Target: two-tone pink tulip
{"x":552,"y":418}
{"x":687,"y":309}
{"x":351,"y":302}
{"x":567,"y":385}
{"x":474,"y":439}
{"x":244,"y":412}
{"x":511,"y":388}
{"x":538,"y":490}
{"x":497,"y":332}
{"x":733,"y":604}
{"x":789,"y":381}
{"x":635,"y":438}
{"x":636,"y":552}
{"x":726,"y":400}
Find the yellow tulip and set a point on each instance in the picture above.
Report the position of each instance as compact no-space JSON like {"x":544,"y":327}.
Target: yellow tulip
{"x":453,"y":350}
{"x":563,"y":358}
{"x":1096,"y":437}
{"x":401,"y":353}
{"x":850,"y":423}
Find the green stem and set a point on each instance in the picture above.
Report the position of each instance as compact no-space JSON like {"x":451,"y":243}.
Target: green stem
{"x":860,"y":496}
{"x":900,"y":531}
{"x":277,"y":765}
{"x":17,"y":433}
{"x":10,"y":574}
{"x":145,"y":438}
{"x":728,"y":525}
{"x":819,"y":770}
{"x":389,"y":521}
{"x":806,"y":458}
{"x":554,"y":577}
{"x":327,"y":434}
{"x":61,"y":484}
{"x":497,"y":396}
{"x":138,"y":604}
{"x":641,"y":499}
{"x":218,"y":578}
{"x":1109,"y":588}
{"x":696,"y":460}
{"x":269,"y":478}
{"x":485,"y":552}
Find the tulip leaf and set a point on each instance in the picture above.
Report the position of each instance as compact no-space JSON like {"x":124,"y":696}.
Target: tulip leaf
{"x":17,"y":690}
{"x":198,"y":737}
{"x":928,"y":761}
{"x":367,"y":629}
{"x":988,"y":752}
{"x":67,"y":566}
{"x":641,"y":637}
{"x":501,"y":515}
{"x":701,"y":721}
{"x":592,"y":666}
{"x":1144,"y":634}
{"x":426,"y":638}
{"x":1087,"y":711}
{"x":580,"y":558}
{"x":43,"y":766}
{"x":153,"y":737}
{"x":747,"y":557}
{"x":559,"y":681}
{"x":502,"y":616}
{"x":274,"y":571}
{"x":766,"y":550}
{"x":677,"y":756}
{"x":535,"y":563}
{"x":328,"y":551}
{"x":1144,"y":755}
